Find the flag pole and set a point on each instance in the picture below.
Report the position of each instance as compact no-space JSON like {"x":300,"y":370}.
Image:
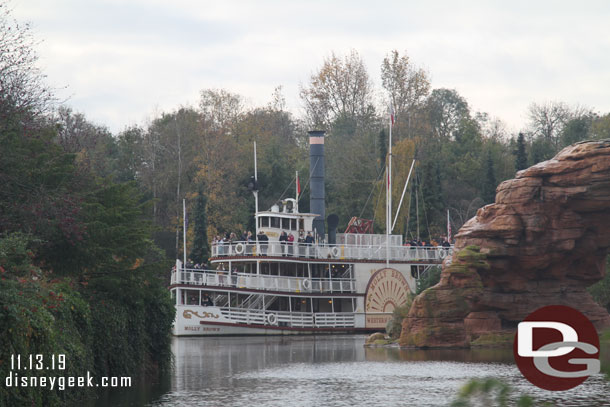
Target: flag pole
{"x":297,"y":187}
{"x":255,"y":193}
{"x":389,"y":193}
{"x":184,"y":230}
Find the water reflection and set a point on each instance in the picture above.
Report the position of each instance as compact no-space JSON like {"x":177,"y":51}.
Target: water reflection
{"x":339,"y":371}
{"x":456,"y":355}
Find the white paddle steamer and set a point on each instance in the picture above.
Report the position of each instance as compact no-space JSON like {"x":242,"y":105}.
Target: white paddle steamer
{"x":343,"y":283}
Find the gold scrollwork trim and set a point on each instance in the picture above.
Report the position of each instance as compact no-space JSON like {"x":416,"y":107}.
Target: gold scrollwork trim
{"x":188,"y":314}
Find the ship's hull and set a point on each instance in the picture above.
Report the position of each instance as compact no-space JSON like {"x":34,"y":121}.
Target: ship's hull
{"x":210,"y":321}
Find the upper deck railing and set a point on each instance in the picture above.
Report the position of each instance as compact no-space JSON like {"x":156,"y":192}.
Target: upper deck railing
{"x":324,"y":251}
{"x":264,"y":282}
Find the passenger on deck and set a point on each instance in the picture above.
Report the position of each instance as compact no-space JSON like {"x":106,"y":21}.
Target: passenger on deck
{"x":282,"y":239}
{"x":263,"y":240}
{"x":207,"y":301}
{"x":308,"y":242}
{"x":290,"y":242}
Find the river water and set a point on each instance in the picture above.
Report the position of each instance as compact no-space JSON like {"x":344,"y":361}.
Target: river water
{"x":334,"y":371}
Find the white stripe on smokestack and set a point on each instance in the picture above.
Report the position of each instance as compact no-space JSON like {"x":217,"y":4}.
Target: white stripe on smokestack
{"x":316,"y":140}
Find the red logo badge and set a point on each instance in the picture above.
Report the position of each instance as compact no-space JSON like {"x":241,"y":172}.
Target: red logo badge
{"x":556,"y":348}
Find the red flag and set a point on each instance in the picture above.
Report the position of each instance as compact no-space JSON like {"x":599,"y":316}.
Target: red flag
{"x":298,"y":186}
{"x":392,"y":114}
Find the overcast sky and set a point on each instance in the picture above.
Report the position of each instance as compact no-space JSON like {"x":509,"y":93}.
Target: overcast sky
{"x":122,"y":62}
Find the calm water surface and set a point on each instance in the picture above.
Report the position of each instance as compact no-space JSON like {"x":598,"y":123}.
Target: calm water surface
{"x":334,"y":371}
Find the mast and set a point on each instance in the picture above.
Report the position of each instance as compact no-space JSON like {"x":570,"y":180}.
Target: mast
{"x":298,"y":190}
{"x":403,"y":194}
{"x":184,"y":231}
{"x":389,"y":192}
{"x":417,"y":208}
{"x":255,"y":192}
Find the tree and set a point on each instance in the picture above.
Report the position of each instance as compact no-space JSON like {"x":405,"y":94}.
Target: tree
{"x":446,"y":110}
{"x":520,"y":154}
{"x":94,"y":145}
{"x":130,"y":155}
{"x":341,"y":88}
{"x":24,"y":96}
{"x":403,"y":154}
{"x":201,"y":249}
{"x":548,"y":120}
{"x":220,"y":108}
{"x":489,"y":186}
{"x":407,"y":88}
{"x":382,"y":145}
{"x":600,"y":128}
{"x":172,"y":146}
{"x":575,"y":130}
{"x":432,"y":197}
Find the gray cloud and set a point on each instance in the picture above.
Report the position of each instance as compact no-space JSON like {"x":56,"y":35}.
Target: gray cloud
{"x":123,"y":59}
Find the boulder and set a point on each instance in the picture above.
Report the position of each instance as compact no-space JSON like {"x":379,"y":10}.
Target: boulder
{"x":542,"y":242}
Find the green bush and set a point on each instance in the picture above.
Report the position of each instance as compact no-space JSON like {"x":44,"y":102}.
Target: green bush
{"x":394,"y":325}
{"x":116,"y":325}
{"x":431,"y":278}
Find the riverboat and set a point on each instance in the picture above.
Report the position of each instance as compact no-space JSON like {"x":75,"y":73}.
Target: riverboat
{"x":333,"y":283}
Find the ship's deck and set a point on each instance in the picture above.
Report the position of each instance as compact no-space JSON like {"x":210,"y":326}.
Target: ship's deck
{"x":344,"y":252}
{"x":223,"y":280}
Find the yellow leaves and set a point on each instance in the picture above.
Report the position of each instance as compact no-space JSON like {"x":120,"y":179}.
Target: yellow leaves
{"x":403,"y":153}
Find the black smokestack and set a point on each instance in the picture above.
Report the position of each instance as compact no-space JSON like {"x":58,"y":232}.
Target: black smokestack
{"x":316,"y":173}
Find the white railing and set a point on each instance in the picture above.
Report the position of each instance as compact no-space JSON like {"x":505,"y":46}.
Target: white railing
{"x":262,"y":281}
{"x":339,"y":251}
{"x":290,"y":319}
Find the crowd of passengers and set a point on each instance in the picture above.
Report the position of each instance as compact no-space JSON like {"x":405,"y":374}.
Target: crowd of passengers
{"x":248,"y":237}
{"x":307,"y":238}
{"x":431,"y":243}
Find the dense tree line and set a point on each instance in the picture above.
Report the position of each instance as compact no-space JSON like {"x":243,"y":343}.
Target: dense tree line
{"x":79,"y":272}
{"x":461,"y":155}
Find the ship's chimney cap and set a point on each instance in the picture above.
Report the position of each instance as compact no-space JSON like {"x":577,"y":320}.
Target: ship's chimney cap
{"x":316,"y":137}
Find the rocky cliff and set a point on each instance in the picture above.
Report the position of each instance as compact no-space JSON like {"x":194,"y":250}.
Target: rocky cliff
{"x":543,"y":242}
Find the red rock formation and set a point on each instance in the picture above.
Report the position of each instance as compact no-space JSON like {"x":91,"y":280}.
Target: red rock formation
{"x":543,"y":242}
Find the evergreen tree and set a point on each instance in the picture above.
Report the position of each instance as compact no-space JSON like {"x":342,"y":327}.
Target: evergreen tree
{"x":432,"y":194}
{"x":489,"y":187}
{"x":201,"y":250}
{"x":521,"y":159}
{"x":383,"y":148}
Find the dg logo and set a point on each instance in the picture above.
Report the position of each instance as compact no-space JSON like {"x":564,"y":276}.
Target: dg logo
{"x":556,"y":348}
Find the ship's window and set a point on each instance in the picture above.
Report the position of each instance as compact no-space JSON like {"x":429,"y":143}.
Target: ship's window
{"x":192,"y":297}
{"x":301,"y":224}
{"x":264,"y":222}
{"x":275,"y":223}
{"x":293,"y":224}
{"x":285,"y":223}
